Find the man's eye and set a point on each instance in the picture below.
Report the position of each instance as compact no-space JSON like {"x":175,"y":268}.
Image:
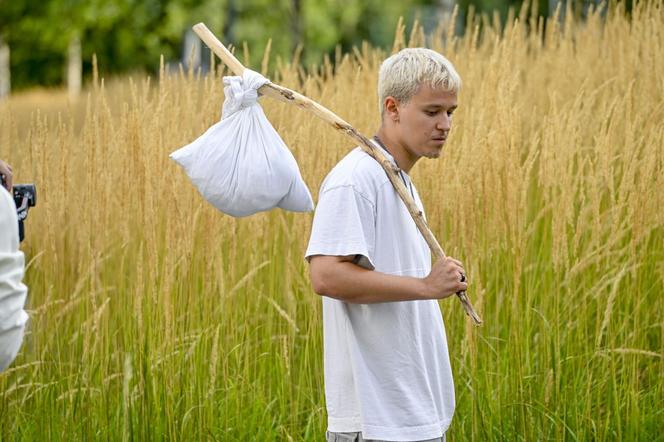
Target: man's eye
{"x":449,"y":113}
{"x":431,"y":113}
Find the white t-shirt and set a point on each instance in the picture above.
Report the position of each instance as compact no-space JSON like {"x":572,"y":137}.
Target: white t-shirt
{"x":12,"y":290}
{"x":387,"y":368}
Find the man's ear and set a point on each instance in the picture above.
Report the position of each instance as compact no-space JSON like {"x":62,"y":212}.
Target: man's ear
{"x":391,"y":109}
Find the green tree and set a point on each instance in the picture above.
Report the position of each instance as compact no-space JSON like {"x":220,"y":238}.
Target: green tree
{"x":132,"y":34}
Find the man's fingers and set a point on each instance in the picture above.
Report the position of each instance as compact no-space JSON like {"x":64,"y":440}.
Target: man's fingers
{"x":455,"y":268}
{"x":6,"y":172}
{"x":7,"y":182}
{"x":456,"y":261}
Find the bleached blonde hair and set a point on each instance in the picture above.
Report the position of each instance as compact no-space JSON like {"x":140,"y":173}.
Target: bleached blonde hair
{"x":402,"y":74}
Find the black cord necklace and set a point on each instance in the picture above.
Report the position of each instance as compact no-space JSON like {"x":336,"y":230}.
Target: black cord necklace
{"x":407,"y":184}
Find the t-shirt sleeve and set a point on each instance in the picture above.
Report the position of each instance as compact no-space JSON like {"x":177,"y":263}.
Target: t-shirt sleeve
{"x":12,"y":291}
{"x":344,"y":225}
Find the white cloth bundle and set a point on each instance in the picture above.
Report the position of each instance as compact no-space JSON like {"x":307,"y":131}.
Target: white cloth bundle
{"x":240,"y":164}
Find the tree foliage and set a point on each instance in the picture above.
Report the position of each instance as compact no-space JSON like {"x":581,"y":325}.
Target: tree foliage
{"x":132,"y":34}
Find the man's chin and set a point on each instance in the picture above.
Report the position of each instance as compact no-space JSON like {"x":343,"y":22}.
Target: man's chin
{"x":433,"y":154}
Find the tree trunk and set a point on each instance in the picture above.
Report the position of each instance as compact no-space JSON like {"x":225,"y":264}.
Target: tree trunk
{"x":296,"y":23}
{"x":445,"y":15}
{"x":231,"y":13}
{"x":5,"y":71}
{"x":74,"y":67}
{"x":191,"y":58}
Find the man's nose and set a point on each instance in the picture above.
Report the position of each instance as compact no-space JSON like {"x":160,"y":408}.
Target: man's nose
{"x":445,"y":122}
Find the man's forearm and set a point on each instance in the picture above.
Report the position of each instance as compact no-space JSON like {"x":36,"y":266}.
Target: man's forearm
{"x":351,"y":283}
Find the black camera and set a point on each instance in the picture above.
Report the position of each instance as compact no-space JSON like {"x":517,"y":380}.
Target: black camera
{"x":25,"y":196}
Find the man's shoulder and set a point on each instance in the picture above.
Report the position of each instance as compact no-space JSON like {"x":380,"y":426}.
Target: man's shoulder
{"x":356,"y":169}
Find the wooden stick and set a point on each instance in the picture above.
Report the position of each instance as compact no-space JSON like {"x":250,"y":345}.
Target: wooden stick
{"x":289,"y":96}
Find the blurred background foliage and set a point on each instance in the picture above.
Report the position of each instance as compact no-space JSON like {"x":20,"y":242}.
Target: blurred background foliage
{"x":43,"y":36}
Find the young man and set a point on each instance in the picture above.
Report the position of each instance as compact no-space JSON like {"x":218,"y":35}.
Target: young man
{"x":387,"y":369}
{"x":12,"y":290}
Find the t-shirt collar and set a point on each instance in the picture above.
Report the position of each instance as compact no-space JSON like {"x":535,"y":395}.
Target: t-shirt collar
{"x":379,"y":144}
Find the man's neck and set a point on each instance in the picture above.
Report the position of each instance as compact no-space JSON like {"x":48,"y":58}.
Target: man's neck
{"x":405,"y":161}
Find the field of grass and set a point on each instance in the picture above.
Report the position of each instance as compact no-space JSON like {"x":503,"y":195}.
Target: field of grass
{"x":155,"y":317}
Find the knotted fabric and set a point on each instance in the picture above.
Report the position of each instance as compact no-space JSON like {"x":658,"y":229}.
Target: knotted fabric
{"x":240,"y":164}
{"x":241,"y":92}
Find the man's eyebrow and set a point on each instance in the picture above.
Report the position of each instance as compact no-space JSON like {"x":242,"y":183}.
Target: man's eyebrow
{"x":439,"y":106}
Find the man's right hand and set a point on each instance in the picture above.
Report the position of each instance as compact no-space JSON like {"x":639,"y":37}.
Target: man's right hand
{"x":445,"y":278}
{"x":6,"y":172}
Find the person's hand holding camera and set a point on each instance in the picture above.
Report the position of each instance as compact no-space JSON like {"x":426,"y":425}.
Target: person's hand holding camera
{"x":24,"y":195}
{"x":6,"y":176}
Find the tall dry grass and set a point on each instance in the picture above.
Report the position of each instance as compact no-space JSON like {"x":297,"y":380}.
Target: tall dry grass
{"x":155,"y":317}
